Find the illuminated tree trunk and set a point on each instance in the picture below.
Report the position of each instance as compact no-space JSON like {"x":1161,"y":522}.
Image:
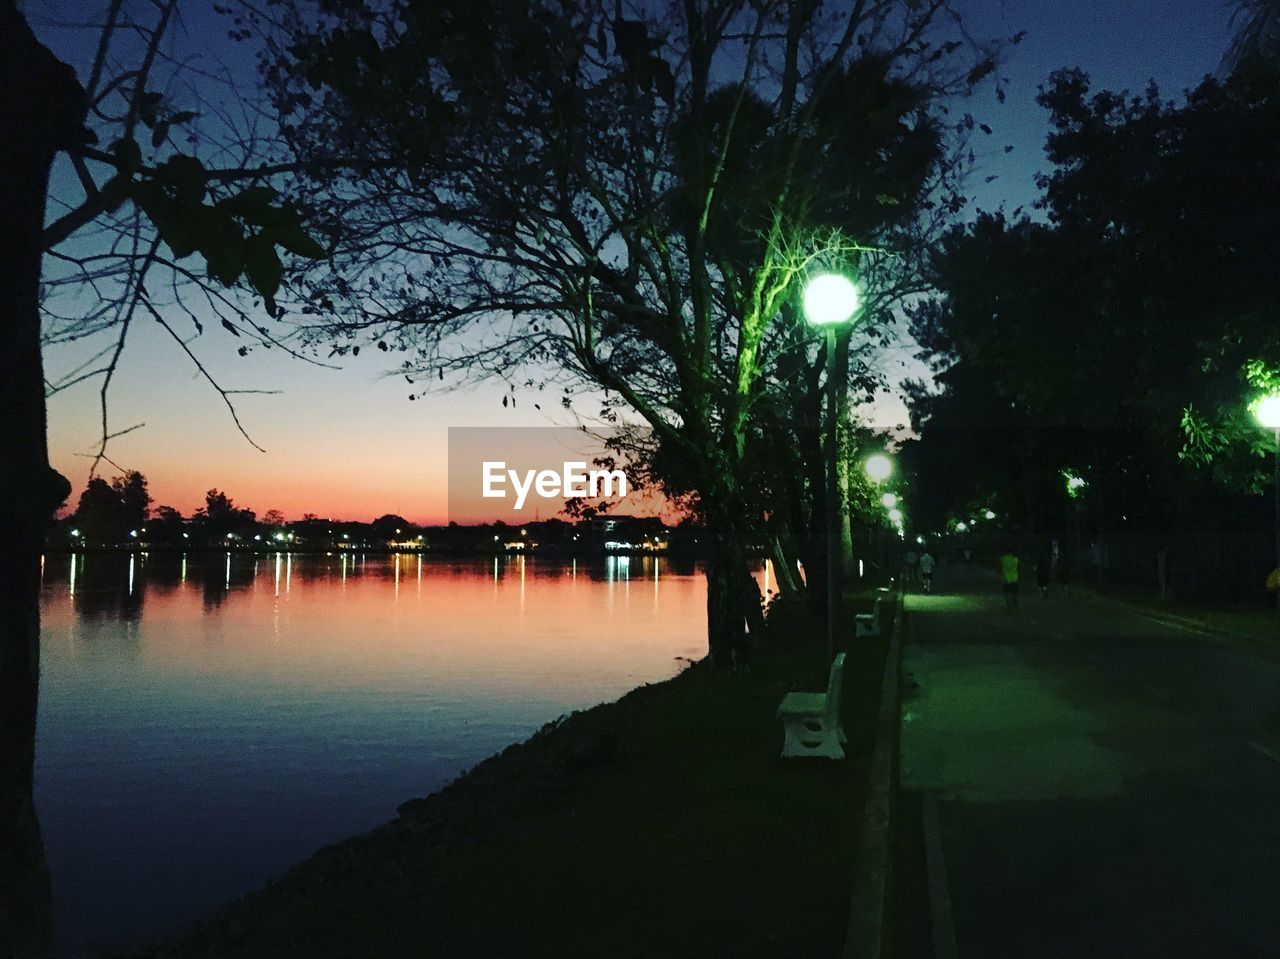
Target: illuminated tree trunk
{"x":39,"y":113}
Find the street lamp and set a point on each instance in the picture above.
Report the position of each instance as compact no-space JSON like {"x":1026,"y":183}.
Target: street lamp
{"x":829,"y":300}
{"x":889,"y":500}
{"x":1267,"y":413}
{"x":879,"y":467}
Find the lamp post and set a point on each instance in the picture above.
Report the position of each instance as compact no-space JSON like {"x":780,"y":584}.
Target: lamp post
{"x":1267,"y":413}
{"x":830,"y":300}
{"x":879,"y":468}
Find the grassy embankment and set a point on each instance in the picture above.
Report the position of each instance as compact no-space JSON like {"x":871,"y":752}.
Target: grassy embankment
{"x":662,"y":824}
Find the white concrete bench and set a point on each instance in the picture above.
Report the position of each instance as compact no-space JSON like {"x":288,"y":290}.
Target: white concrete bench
{"x":811,"y":721}
{"x":868,"y":624}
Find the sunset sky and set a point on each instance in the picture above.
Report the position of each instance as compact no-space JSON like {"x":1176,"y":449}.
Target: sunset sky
{"x":349,"y":444}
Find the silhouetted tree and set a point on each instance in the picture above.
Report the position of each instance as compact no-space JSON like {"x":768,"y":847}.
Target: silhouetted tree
{"x":220,"y":517}
{"x":627,"y":200}
{"x":154,"y":203}
{"x":166,"y":526}
{"x":135,"y":501}
{"x":99,"y":513}
{"x":389,"y":526}
{"x":1124,"y":338}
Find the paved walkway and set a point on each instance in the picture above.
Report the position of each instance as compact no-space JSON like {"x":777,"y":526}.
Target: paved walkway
{"x":1080,"y":780}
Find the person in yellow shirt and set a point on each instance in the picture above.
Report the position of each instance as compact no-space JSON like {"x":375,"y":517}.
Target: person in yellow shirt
{"x":1009,"y":578}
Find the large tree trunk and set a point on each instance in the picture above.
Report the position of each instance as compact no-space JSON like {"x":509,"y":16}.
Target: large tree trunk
{"x":40,"y":110}
{"x":730,"y":609}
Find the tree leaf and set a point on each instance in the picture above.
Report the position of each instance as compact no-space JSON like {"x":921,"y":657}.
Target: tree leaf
{"x":295,"y":239}
{"x":263,"y":268}
{"x":248,"y":202}
{"x":128,"y":155}
{"x":185,"y":175}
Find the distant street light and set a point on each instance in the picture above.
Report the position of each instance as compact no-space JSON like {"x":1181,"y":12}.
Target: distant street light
{"x":889,"y":500}
{"x":830,"y":300}
{"x":989,"y":515}
{"x":895,"y":516}
{"x":879,"y":467}
{"x":1267,"y":413}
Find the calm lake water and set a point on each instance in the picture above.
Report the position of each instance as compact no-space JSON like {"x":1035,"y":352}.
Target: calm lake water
{"x":207,"y":721}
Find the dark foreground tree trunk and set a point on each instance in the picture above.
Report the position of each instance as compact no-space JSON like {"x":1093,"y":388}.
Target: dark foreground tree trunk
{"x":733,"y":599}
{"x":41,"y":108}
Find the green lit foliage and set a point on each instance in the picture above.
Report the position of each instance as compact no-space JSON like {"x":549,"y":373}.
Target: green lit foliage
{"x":1227,"y":440}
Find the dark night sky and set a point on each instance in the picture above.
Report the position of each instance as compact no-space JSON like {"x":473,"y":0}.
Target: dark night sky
{"x":365,"y":449}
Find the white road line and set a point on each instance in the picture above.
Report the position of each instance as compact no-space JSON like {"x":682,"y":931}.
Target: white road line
{"x":1269,"y":753}
{"x":944,"y":929}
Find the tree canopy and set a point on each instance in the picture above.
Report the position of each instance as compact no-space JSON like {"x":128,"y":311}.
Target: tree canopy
{"x":1124,"y":335}
{"x":584,"y":197}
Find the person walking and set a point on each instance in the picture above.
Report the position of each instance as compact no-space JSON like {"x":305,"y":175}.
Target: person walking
{"x":1044,"y":571}
{"x":926,"y":570}
{"x":913,"y":565}
{"x":1009,"y":578}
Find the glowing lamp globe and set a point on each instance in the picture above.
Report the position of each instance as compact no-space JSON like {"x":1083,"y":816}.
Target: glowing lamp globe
{"x":1267,"y":412}
{"x":879,"y":467}
{"x":890,"y":500}
{"x":895,"y":516}
{"x":829,"y":298}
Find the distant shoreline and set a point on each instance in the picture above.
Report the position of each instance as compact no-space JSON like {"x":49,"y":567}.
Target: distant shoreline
{"x":549,"y":551}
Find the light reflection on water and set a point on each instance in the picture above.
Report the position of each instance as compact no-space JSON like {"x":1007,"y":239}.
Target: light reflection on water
{"x":206,"y":720}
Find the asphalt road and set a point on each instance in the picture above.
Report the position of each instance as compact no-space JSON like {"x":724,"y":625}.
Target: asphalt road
{"x":1079,"y":780}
